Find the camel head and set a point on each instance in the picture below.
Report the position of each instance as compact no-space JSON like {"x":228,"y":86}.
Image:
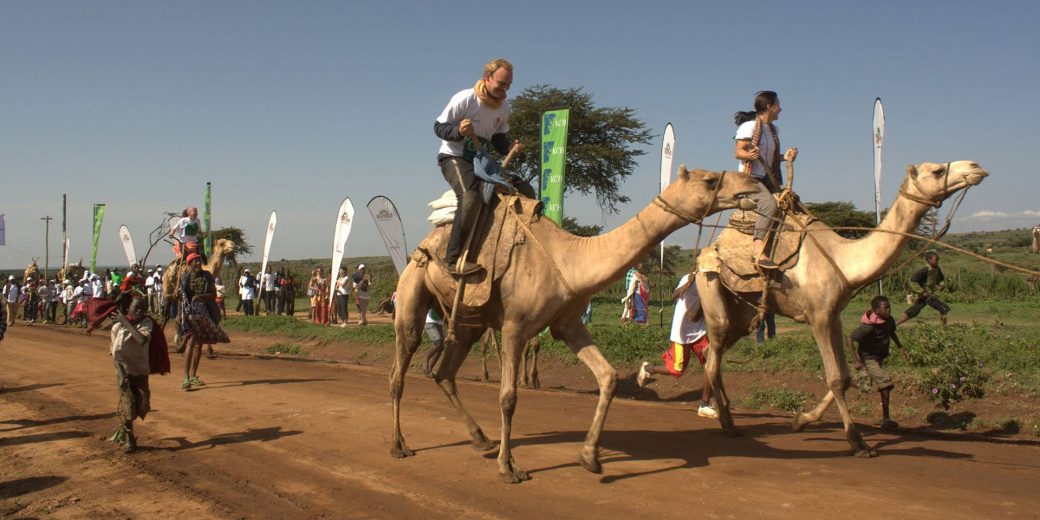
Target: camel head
{"x":935,"y":182}
{"x":700,"y":192}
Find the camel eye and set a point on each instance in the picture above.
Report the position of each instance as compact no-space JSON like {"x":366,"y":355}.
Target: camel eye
{"x":711,"y":182}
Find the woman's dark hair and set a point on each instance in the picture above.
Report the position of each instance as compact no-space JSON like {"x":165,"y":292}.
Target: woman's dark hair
{"x":763,"y":98}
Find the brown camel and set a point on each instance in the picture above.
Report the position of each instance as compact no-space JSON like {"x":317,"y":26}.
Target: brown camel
{"x":549,"y":280}
{"x":1036,"y":239}
{"x":171,"y":282}
{"x":815,"y":291}
{"x":31,"y":272}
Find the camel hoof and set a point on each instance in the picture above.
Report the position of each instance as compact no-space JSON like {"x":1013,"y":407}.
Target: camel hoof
{"x":514,"y":477}
{"x":482,"y":445}
{"x":732,"y":432}
{"x":865,"y":453}
{"x":402,"y":452}
{"x":535,"y":383}
{"x":590,"y":463}
{"x":798,"y":424}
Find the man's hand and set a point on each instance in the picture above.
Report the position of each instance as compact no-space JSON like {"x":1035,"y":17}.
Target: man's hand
{"x":791,"y":154}
{"x":466,"y":129}
{"x":518,"y":146}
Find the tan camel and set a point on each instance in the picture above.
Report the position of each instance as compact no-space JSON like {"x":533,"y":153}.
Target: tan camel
{"x":549,"y":280}
{"x":489,"y":343}
{"x":171,"y":282}
{"x":1036,"y":239}
{"x":72,"y":272}
{"x":31,"y":272}
{"x":813,"y":291}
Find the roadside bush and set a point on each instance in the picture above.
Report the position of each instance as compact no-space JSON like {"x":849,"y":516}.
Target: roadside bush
{"x":286,"y":348}
{"x":952,"y":369}
{"x":778,"y":398}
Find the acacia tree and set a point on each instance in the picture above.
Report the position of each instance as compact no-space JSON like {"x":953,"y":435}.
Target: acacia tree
{"x":842,"y":214}
{"x":236,"y":235}
{"x":601,"y":141}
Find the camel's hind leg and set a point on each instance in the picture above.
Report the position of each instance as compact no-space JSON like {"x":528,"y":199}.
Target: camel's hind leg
{"x":827,"y":331}
{"x":531,"y":363}
{"x":718,"y":319}
{"x":454,"y":356}
{"x":578,"y":339}
{"x":413,"y":301}
{"x":488,"y":338}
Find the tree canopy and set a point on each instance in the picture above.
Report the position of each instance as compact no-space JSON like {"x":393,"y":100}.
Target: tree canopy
{"x":235,"y":235}
{"x":571,"y":225}
{"x":842,"y":214}
{"x":601,"y":141}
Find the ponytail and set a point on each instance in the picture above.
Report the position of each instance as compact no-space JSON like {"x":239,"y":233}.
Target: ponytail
{"x":740,"y":118}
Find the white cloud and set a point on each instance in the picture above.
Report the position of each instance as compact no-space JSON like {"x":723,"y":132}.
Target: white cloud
{"x":990,"y":220}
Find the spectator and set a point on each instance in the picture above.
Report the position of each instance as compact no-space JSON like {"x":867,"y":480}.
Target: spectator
{"x":12,"y":293}
{"x":50,"y":302}
{"x":362,"y":281}
{"x":288,"y":293}
{"x":319,"y":290}
{"x":270,"y":290}
{"x":247,"y":290}
{"x":343,"y":285}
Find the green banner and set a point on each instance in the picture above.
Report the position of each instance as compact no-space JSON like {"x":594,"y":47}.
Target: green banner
{"x":554,"y":154}
{"x":99,"y":213}
{"x":207,"y":243}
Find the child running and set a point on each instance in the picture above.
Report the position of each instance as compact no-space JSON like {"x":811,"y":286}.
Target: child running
{"x":876,"y":329}
{"x":688,"y":336}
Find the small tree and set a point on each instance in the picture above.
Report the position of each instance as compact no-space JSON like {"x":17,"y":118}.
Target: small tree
{"x":600,"y":140}
{"x":842,"y":214}
{"x":572,"y":226}
{"x":237,"y":236}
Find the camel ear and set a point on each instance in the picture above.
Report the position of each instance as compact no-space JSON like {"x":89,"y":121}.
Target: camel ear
{"x":683,"y":174}
{"x":911,"y":170}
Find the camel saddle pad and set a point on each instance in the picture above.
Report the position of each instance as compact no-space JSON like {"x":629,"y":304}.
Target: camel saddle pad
{"x":730,"y":255}
{"x":492,"y":245}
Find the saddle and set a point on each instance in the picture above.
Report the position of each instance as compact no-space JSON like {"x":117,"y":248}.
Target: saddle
{"x":493,"y":243}
{"x":730,"y":255}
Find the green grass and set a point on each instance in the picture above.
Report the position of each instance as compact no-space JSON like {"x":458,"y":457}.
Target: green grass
{"x":777,"y":398}
{"x":286,"y":348}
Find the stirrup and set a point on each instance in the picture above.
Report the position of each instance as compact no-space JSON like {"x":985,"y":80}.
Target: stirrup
{"x":765,"y":264}
{"x":467,"y":269}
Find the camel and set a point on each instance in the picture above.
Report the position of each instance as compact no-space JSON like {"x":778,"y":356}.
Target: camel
{"x":815,"y":290}
{"x":73,"y":272}
{"x":31,"y":272}
{"x":171,"y":288}
{"x":550,"y":279}
{"x":529,"y":370}
{"x":1036,"y":239}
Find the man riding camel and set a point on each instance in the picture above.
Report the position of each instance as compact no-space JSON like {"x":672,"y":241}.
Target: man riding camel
{"x":478,"y":113}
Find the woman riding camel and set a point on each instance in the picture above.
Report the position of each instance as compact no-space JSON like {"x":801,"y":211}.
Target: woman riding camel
{"x":188,"y":231}
{"x":758,"y":150}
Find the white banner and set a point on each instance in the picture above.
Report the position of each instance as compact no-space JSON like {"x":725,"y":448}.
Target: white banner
{"x":388,"y":222}
{"x":271,"y":224}
{"x":128,"y":245}
{"x":879,"y":137}
{"x":667,"y":154}
{"x":344,"y":218}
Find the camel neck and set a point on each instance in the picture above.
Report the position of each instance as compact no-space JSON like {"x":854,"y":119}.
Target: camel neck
{"x":865,"y":259}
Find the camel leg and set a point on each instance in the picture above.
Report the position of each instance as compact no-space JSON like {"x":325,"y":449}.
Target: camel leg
{"x":487,"y":338}
{"x":413,"y":302}
{"x":578,"y":339}
{"x":512,"y":348}
{"x":720,"y":337}
{"x":531,"y":352}
{"x":453,"y":357}
{"x":827,"y":332}
{"x":804,"y":418}
{"x":713,"y":372}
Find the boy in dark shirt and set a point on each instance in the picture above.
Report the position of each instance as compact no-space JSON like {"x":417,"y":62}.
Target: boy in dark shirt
{"x":873,"y":335}
{"x":929,"y":279}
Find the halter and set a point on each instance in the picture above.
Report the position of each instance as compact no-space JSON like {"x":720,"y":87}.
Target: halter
{"x":689,"y":218}
{"x":921,"y":200}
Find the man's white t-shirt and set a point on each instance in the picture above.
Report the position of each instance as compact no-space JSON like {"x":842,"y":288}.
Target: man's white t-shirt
{"x":766,"y":147}
{"x":248,"y":293}
{"x":187,"y":230}
{"x":487,"y":121}
{"x":684,"y":330}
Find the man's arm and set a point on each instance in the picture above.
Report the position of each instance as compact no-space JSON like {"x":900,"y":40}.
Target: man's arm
{"x":858,"y":364}
{"x":895,"y":339}
{"x":447,"y":131}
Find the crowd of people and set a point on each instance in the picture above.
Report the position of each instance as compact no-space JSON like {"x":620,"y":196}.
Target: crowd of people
{"x":274,"y":292}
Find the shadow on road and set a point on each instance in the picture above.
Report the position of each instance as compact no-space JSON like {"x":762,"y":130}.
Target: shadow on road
{"x":250,"y":435}
{"x":42,"y":437}
{"x":28,"y":388}
{"x":226,"y":384}
{"x":22,"y":486}
{"x":31,"y":423}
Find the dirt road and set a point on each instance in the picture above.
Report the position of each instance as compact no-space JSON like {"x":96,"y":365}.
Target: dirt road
{"x":287,"y":439}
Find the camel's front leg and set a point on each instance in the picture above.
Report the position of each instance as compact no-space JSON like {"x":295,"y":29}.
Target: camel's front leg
{"x":722,"y":333}
{"x":827,"y":331}
{"x":580,"y":342}
{"x":512,"y":349}
{"x":454,"y":356}
{"x":713,"y":371}
{"x":531,"y":354}
{"x":413,"y":303}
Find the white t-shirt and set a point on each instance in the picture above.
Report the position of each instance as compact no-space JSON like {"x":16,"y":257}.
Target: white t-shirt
{"x":187,"y":230}
{"x":766,"y":147}
{"x":269,"y":282}
{"x":435,"y":319}
{"x":343,"y":285}
{"x":247,"y":293}
{"x":685,"y":331}
{"x":487,"y":121}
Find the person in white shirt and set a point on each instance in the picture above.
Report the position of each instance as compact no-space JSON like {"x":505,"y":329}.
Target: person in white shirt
{"x":688,"y":337}
{"x":188,"y":231}
{"x":758,"y":150}
{"x":247,"y":290}
{"x":11,"y":293}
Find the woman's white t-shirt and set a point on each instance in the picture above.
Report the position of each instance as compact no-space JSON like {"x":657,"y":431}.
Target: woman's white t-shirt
{"x":766,"y":147}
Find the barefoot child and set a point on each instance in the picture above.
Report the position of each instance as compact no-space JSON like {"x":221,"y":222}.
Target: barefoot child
{"x":688,"y":337}
{"x":131,"y":340}
{"x":873,"y":335}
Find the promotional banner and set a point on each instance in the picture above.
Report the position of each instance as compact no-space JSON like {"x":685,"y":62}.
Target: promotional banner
{"x":207,"y":242}
{"x":3,"y":230}
{"x":99,"y":214}
{"x":667,"y":154}
{"x":128,"y":245}
{"x":271,"y":224}
{"x":344,"y":218}
{"x":554,"y":155}
{"x":879,"y":137}
{"x":64,"y":234}
{"x":388,"y":222}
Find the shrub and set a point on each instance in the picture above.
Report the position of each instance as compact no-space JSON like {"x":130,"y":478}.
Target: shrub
{"x":779,"y":398}
{"x":286,"y":348}
{"x":952,"y":368}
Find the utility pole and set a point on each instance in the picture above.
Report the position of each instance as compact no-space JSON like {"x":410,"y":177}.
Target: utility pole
{"x":46,"y":248}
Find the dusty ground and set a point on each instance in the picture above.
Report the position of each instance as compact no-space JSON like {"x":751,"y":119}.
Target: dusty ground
{"x":278,"y":438}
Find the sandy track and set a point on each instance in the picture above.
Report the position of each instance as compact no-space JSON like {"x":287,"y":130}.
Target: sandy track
{"x":284,"y":439}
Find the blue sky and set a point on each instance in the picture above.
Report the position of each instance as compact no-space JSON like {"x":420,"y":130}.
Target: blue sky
{"x":291,"y":106}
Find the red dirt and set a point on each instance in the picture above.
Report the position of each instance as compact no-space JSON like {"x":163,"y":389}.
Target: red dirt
{"x":296,"y":439}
